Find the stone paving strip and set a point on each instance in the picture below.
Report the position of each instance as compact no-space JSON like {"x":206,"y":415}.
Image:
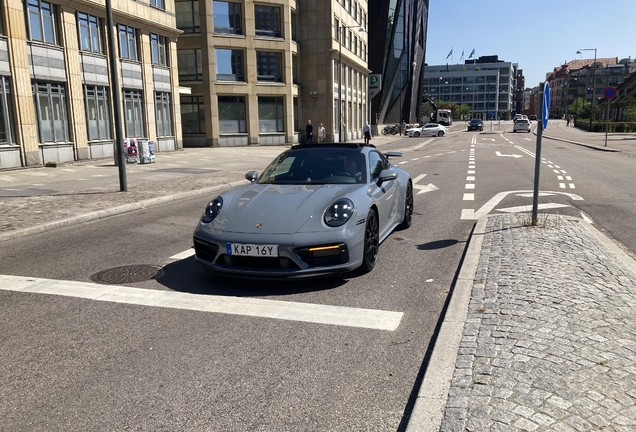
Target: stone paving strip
{"x":550,"y":339}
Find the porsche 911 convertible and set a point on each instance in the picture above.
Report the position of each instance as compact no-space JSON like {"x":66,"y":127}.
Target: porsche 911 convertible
{"x":315,"y":210}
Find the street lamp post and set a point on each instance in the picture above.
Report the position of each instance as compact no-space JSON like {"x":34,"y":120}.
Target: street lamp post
{"x":593,"y":81}
{"x":340,"y":36}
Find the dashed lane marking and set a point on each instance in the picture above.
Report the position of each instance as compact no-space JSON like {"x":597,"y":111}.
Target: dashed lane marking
{"x":304,"y":312}
{"x":528,"y":208}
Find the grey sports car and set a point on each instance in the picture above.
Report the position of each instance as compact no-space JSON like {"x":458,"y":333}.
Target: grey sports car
{"x":315,"y":210}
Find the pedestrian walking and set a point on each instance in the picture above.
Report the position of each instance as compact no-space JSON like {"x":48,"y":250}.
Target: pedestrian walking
{"x":568,"y":120}
{"x":321,"y":134}
{"x":309,"y":131}
{"x":403,"y":126}
{"x":366,"y":130}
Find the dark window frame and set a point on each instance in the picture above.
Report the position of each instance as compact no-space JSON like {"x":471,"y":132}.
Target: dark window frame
{"x":127,"y":50}
{"x":237,"y":66}
{"x":235,"y":19}
{"x":263,"y":70}
{"x":51,"y":91}
{"x":98,"y":95}
{"x":42,"y":22}
{"x":268,"y":21}
{"x":193,"y":19}
{"x":158,"y":49}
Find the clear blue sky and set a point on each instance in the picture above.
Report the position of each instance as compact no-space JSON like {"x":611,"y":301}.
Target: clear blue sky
{"x":536,"y":34}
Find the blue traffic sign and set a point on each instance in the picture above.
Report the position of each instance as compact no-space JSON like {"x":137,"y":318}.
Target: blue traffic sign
{"x":609,"y":92}
{"x":545,"y":112}
{"x":492,"y":114}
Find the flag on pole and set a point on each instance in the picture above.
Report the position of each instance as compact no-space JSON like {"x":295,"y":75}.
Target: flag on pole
{"x":449,"y":54}
{"x":472,"y":53}
{"x":462,"y":58}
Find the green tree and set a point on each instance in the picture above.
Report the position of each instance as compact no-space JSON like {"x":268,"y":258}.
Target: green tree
{"x":630,"y":111}
{"x":580,"y":108}
{"x":462,"y":111}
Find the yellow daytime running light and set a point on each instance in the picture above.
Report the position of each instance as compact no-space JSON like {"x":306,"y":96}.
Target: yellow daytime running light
{"x":323,"y":248}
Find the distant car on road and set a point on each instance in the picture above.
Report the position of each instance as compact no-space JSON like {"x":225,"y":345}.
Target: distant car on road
{"x":429,"y":129}
{"x":316,"y":210}
{"x":532,"y":117}
{"x":476,"y":124}
{"x":522,"y":125}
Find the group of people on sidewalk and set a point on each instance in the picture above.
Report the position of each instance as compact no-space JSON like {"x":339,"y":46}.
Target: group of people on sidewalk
{"x":309,"y":132}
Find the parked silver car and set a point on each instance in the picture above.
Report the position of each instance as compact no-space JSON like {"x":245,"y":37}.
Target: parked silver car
{"x":315,"y":210}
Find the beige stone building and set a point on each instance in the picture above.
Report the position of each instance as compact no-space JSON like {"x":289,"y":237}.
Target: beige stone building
{"x":55,"y":85}
{"x":257,"y":71}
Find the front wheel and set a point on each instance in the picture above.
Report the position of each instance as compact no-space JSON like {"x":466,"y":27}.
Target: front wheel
{"x":416,"y":134}
{"x":408,"y":208}
{"x":440,"y":133}
{"x":371,"y":242}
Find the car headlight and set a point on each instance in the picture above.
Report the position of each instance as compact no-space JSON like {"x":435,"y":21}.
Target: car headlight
{"x":339,"y":213}
{"x":212,"y":209}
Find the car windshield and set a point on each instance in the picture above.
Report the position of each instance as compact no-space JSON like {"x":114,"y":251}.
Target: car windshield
{"x":316,"y":166}
{"x":475,"y":121}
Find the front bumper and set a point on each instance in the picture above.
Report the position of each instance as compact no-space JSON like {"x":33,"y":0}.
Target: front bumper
{"x":295,"y":259}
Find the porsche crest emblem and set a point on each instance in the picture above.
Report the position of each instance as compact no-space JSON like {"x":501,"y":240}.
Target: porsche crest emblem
{"x":259,"y":225}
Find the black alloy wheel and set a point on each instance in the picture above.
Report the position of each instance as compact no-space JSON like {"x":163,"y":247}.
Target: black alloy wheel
{"x":408,"y":207}
{"x":416,"y":134}
{"x":371,"y":242}
{"x":440,"y":133}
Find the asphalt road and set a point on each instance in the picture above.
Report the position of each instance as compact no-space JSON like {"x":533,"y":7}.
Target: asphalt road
{"x":70,"y":363}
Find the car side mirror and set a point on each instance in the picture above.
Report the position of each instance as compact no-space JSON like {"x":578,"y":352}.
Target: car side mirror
{"x":386,"y":175}
{"x":393,"y":154}
{"x":251,"y":176}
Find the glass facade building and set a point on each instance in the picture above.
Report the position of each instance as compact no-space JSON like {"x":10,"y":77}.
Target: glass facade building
{"x":401,"y":60}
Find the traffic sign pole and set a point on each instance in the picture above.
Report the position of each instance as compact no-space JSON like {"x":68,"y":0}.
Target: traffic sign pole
{"x":609,"y":93}
{"x":545,"y":112}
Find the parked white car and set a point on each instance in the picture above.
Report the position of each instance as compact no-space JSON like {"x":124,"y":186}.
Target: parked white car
{"x":429,"y":129}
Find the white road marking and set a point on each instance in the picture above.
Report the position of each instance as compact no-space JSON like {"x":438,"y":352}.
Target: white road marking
{"x":403,"y":162}
{"x":37,"y":174}
{"x":564,"y":171}
{"x":556,"y":166}
{"x":469,"y":197}
{"x":530,"y":195}
{"x":470,"y":178}
{"x":586,"y":218}
{"x":527,"y":208}
{"x":562,"y":185}
{"x":423,"y":188}
{"x":275,"y":309}
{"x":572,"y":186}
{"x":471,"y":172}
{"x":414,"y":159}
{"x":498,"y":153}
{"x":8,"y":179}
{"x":492,"y":203}
{"x":556,"y":171}
{"x":568,"y":178}
{"x":470,"y":186}
{"x":185,"y":254}
{"x":559,"y":177}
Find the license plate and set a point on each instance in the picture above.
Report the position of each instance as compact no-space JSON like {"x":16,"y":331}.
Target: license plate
{"x":259,"y":250}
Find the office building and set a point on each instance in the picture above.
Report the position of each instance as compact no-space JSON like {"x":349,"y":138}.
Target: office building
{"x":487,"y":85}
{"x":55,"y":84}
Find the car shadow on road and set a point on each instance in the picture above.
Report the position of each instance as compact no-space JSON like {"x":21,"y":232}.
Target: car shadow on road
{"x":189,"y":276}
{"x":438,"y":244}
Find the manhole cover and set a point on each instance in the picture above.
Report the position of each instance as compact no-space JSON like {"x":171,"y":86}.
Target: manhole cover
{"x":127,"y":274}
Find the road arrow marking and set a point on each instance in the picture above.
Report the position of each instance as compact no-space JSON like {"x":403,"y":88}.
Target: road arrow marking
{"x":492,"y":203}
{"x":423,"y":189}
{"x":498,"y":153}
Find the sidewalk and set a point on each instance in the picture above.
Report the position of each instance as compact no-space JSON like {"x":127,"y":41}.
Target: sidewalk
{"x":616,"y":142}
{"x":539,"y":334}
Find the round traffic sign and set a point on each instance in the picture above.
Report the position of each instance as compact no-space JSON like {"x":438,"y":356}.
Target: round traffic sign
{"x":609,"y":92}
{"x":545,"y":112}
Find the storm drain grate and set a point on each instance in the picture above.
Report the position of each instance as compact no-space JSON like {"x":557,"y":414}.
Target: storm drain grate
{"x":127,"y":274}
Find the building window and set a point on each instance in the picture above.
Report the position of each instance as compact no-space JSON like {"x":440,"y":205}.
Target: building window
{"x":42,"y":22}
{"x":89,"y":32}
{"x":192,"y":115}
{"x":50,"y":103}
{"x":127,"y":42}
{"x":190,"y":68}
{"x":336,"y":28}
{"x":232,"y":114}
{"x":267,"y":21}
{"x":295,"y":69}
{"x":6,"y":125}
{"x":187,"y":13}
{"x":294,"y":20}
{"x":227,"y":17}
{"x":158,"y":50}
{"x":97,"y":112}
{"x":162,"y":114}
{"x":270,"y":114}
{"x":269,"y":66}
{"x":133,"y":107}
{"x":158,"y":4}
{"x":229,"y":65}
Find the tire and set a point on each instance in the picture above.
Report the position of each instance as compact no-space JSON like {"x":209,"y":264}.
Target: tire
{"x":408,"y":208}
{"x":440,"y":133}
{"x":416,"y":134}
{"x":384,"y":131}
{"x":371,"y":242}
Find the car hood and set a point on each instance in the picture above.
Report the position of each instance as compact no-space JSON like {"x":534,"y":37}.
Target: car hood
{"x":279,"y":209}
